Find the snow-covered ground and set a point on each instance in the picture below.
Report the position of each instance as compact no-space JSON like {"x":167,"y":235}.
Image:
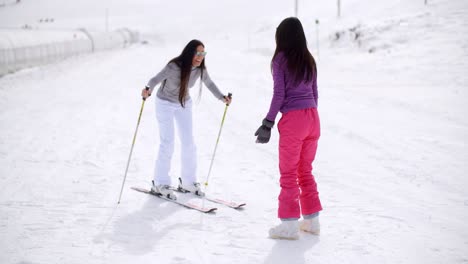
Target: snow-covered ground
{"x":390,"y":167}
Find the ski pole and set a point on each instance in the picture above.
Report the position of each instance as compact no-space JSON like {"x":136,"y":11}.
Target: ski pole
{"x":133,"y":144}
{"x":217,"y":141}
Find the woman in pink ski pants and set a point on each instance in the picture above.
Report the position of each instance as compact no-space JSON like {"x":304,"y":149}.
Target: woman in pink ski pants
{"x":295,"y":96}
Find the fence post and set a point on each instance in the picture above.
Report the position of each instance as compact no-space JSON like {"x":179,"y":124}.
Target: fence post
{"x":296,"y":9}
{"x":107,"y":20}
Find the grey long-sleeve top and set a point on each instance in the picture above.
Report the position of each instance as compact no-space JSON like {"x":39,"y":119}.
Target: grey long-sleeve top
{"x":170,"y":90}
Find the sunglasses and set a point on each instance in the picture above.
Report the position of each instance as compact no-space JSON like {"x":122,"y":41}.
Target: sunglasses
{"x":200,"y":53}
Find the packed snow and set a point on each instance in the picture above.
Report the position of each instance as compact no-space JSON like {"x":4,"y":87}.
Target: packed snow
{"x":391,"y":164}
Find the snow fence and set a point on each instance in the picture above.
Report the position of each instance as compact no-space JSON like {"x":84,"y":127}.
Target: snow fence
{"x":22,"y":48}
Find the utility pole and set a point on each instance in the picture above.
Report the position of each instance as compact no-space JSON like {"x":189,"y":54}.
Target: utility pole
{"x":339,"y":8}
{"x":317,"y":37}
{"x":296,"y":9}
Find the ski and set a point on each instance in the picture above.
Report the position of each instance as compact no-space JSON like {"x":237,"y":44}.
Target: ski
{"x":184,"y":204}
{"x":231,"y":204}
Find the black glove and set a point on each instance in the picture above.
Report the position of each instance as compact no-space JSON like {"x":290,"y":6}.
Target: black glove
{"x":264,"y":131}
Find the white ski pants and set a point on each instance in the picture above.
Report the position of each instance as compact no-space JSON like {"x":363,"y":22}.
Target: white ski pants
{"x":166,"y":113}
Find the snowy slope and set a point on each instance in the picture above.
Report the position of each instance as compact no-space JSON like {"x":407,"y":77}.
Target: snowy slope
{"x":390,"y":167}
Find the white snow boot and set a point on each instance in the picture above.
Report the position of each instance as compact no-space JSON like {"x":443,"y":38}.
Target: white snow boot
{"x":164,"y":190}
{"x":194,"y":188}
{"x":311,"y":225}
{"x":286,"y":230}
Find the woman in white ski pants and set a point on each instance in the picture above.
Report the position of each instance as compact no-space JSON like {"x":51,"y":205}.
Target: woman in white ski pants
{"x":168,"y":113}
{"x":174,"y":109}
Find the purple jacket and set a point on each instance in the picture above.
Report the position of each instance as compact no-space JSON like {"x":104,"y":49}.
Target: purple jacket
{"x":287,"y":95}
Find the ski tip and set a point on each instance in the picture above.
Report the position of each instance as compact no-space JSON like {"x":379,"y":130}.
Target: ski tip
{"x":212,"y":210}
{"x":238,"y":207}
{"x":241,"y":206}
{"x":184,"y":204}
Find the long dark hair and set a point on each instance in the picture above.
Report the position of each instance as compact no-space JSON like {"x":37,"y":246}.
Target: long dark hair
{"x":291,"y":40}
{"x":184,"y":61}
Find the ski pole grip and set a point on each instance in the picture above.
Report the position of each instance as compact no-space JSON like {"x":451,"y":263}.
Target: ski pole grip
{"x":147,"y":89}
{"x":229,"y":96}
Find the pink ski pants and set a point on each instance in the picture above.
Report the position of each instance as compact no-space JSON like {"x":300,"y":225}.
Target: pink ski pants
{"x":299,"y":131}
